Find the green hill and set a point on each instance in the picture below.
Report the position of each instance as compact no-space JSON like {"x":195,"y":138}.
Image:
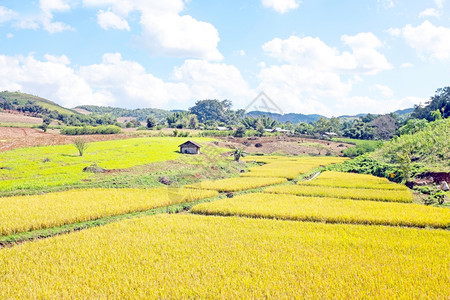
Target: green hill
{"x":18,"y":98}
{"x":140,"y":114}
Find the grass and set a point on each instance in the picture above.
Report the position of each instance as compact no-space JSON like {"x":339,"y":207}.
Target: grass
{"x":372,"y":143}
{"x":343,"y":193}
{"x":236,"y":184}
{"x":38,"y":168}
{"x":27,"y":213}
{"x":186,"y":256}
{"x":330,"y":210}
{"x":352,"y":180}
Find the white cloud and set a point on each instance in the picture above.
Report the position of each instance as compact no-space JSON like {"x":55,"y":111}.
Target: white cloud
{"x":63,"y":59}
{"x":428,"y":40}
{"x":117,"y":82}
{"x":48,"y":79}
{"x":54,"y":5}
{"x":6,"y":14}
{"x":430,"y":12}
{"x":281,"y":6}
{"x":439,"y":3}
{"x":386,"y":3}
{"x":406,"y":65}
{"x":45,"y":18}
{"x":314,"y":53}
{"x":164,"y":30}
{"x":213,"y":81}
{"x":9,"y":35}
{"x":384,"y":90}
{"x":302,"y":89}
{"x":109,"y":20}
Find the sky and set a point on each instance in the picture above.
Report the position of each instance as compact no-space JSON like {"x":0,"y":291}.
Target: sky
{"x":311,"y":56}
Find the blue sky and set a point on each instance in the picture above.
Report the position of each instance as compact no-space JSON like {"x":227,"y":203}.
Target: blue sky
{"x":322,"y":56}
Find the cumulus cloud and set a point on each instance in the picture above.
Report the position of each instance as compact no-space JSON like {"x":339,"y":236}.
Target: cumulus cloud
{"x":384,"y":90}
{"x":428,"y":40}
{"x":214,"y":81}
{"x":164,"y":30}
{"x":119,"y":82}
{"x":50,"y":79}
{"x":386,"y":3}
{"x":439,"y":3}
{"x":6,"y":14}
{"x":281,"y":6}
{"x":314,"y":53}
{"x":109,"y":20}
{"x":45,"y":18}
{"x":315,"y":77}
{"x":429,"y":12}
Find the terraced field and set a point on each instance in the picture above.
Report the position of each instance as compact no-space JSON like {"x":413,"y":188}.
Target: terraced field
{"x":263,"y":242}
{"x":330,"y":210}
{"x":25,"y":213}
{"x":186,"y":256}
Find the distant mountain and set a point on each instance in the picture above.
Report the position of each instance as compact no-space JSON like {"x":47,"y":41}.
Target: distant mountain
{"x":140,"y":114}
{"x":18,"y":98}
{"x":291,"y":117}
{"x":406,"y":111}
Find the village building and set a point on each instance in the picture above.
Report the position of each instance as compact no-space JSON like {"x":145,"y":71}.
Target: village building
{"x":190,"y":147}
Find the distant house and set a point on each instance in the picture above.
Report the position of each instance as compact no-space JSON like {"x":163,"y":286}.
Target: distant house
{"x":190,"y":147}
{"x":222,"y":128}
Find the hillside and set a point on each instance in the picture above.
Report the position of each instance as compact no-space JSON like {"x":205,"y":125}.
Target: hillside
{"x":291,"y":117}
{"x":18,"y":98}
{"x":428,"y":148}
{"x":140,"y":114}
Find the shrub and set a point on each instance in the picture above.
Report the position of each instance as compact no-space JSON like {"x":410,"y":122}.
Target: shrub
{"x":84,"y":130}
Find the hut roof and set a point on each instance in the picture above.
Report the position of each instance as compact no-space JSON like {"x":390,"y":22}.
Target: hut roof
{"x":190,"y":143}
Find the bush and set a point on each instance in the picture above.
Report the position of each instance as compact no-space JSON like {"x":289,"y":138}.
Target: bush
{"x":367,"y":165}
{"x":77,"y":130}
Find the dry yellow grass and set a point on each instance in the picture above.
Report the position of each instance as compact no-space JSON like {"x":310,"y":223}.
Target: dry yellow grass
{"x":287,"y":170}
{"x":186,"y":256}
{"x":343,"y":193}
{"x":26,"y":213}
{"x":236,"y":184}
{"x":290,"y":207}
{"x":352,"y":180}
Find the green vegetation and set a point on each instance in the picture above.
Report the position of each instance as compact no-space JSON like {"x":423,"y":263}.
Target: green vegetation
{"x":361,"y":146}
{"x":140,"y":114}
{"x":39,"y":168}
{"x":83,"y":130}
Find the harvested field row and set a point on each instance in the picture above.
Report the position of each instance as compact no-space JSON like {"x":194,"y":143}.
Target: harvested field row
{"x":352,"y":180}
{"x":236,"y":184}
{"x":343,"y":193}
{"x":26,"y":213}
{"x":331,"y":210}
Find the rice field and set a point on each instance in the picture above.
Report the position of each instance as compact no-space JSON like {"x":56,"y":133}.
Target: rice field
{"x":26,"y":213}
{"x":236,"y":184}
{"x":343,"y":193}
{"x":352,"y":180}
{"x":186,"y":256}
{"x":330,"y":210}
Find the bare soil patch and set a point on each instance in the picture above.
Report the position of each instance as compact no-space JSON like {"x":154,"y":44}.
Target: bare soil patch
{"x":18,"y":118}
{"x":12,"y":138}
{"x":285,"y":145}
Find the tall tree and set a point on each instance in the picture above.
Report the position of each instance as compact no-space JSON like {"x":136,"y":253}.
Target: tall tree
{"x":440,"y":101}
